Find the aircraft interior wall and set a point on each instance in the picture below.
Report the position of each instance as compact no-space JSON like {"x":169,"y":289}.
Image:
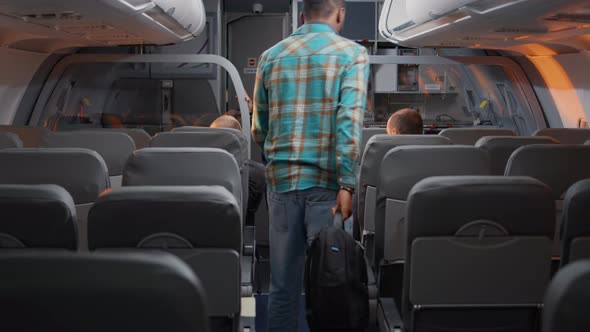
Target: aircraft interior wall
{"x":17,"y":68}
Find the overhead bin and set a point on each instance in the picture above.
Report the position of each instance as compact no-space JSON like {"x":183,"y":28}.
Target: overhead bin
{"x":47,"y":25}
{"x":496,"y":24}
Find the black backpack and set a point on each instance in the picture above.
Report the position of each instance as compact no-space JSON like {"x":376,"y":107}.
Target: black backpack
{"x":336,"y":293}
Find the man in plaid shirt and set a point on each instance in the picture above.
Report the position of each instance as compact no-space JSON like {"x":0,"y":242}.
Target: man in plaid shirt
{"x":309,"y":104}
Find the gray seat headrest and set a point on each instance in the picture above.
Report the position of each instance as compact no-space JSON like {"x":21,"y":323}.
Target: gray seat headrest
{"x":230,"y":141}
{"x":82,"y":172}
{"x":567,"y":300}
{"x":469,"y":136}
{"x":500,"y":148}
{"x":183,"y":167}
{"x":566,"y":135}
{"x":576,"y":216}
{"x":377,"y":147}
{"x":440,"y":206}
{"x":37,"y":216}
{"x":32,"y":137}
{"x":405,"y":166}
{"x":206,"y":216}
{"x":558,"y":166}
{"x":100,"y":292}
{"x":115,"y":148}
{"x":10,"y":141}
{"x":368,"y":133}
{"x":139,"y":136}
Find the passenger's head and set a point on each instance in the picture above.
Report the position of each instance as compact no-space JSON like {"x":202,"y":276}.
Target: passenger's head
{"x":331,"y":12}
{"x":405,"y":122}
{"x":226,"y":121}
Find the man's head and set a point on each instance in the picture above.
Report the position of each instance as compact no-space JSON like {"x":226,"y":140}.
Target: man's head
{"x":331,"y":12}
{"x":405,"y":122}
{"x":226,"y":121}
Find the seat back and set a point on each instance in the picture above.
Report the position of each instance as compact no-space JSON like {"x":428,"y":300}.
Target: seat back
{"x":82,"y":172}
{"x":200,"y":224}
{"x":558,"y":166}
{"x":401,"y":169}
{"x":139,"y":136}
{"x":376,"y":148}
{"x":567,"y":300}
{"x":115,"y":148}
{"x":576,"y":230}
{"x":37,"y":216}
{"x":32,"y":137}
{"x":100,"y":292}
{"x":487,"y":241}
{"x":10,"y":141}
{"x":368,"y":133}
{"x":469,"y":136}
{"x":500,"y":148}
{"x":230,"y":140}
{"x":184,"y":167}
{"x":566,"y":135}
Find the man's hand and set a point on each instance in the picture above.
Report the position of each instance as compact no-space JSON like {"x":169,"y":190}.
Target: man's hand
{"x":343,"y":204}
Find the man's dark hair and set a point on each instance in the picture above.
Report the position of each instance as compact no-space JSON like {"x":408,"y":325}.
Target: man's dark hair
{"x":320,"y":8}
{"x":407,"y":122}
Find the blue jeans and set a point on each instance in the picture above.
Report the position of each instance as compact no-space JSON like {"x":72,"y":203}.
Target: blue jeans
{"x":295,"y":219}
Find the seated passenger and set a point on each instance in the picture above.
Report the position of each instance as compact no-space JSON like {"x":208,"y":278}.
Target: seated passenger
{"x":406,"y":121}
{"x":256,"y":177}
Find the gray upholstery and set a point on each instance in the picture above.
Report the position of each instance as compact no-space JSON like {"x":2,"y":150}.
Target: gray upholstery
{"x":469,"y":136}
{"x":377,"y":147}
{"x":368,"y":133}
{"x":32,"y":137}
{"x":37,"y":216}
{"x":139,"y":136}
{"x":566,"y":135}
{"x":487,"y":242}
{"x":401,"y":169}
{"x":559,"y":166}
{"x":115,"y":148}
{"x":83,"y":173}
{"x":231,"y":140}
{"x":567,"y":300}
{"x":10,"y":140}
{"x":200,"y":224}
{"x":576,"y":223}
{"x":587,"y":142}
{"x":184,"y":167}
{"x":500,"y":148}
{"x":100,"y":292}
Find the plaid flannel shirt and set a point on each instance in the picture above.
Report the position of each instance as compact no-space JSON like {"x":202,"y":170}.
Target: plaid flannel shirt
{"x":309,"y":102}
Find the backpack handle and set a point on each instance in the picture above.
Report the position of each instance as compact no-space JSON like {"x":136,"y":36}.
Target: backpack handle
{"x":338,"y":222}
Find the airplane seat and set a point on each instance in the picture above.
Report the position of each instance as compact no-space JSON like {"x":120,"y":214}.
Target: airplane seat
{"x":115,"y":148}
{"x":32,"y":137}
{"x":587,"y":142}
{"x":478,"y":254}
{"x":567,"y":300}
{"x":230,"y":140}
{"x":37,"y":216}
{"x":558,"y":166}
{"x":469,"y":136}
{"x":10,"y":141}
{"x":184,"y":167}
{"x":376,"y":148}
{"x":400,"y":170}
{"x":566,"y":135}
{"x":139,"y":136}
{"x":500,"y":148}
{"x":366,"y":135}
{"x":576,"y":230}
{"x":115,"y":292}
{"x":82,"y":172}
{"x":199,"y":224}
